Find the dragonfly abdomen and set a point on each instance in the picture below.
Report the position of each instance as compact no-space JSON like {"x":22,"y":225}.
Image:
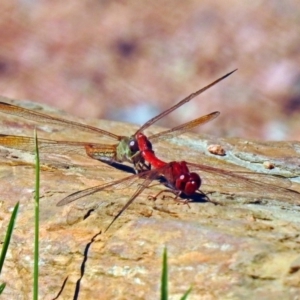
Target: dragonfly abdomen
{"x":107,"y":153}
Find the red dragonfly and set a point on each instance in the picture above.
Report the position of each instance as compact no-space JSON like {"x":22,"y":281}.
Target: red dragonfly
{"x":126,"y":150}
{"x":182,"y":182}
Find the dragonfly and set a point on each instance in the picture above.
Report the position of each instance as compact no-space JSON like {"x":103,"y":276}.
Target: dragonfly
{"x":183,"y":179}
{"x":126,"y":150}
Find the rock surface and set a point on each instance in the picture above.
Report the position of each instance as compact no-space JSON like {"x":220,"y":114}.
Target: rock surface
{"x":245,"y":248}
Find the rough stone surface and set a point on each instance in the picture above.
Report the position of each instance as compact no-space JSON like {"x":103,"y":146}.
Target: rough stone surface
{"x":245,"y":248}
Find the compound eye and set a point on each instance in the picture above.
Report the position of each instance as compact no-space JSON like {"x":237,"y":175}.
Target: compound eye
{"x":133,"y":146}
{"x":195,"y":180}
{"x":181,"y":182}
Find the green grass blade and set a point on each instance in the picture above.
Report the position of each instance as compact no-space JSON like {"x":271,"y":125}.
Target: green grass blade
{"x":37,"y":220}
{"x":8,"y":235}
{"x":2,"y":287}
{"x":164,"y":276}
{"x":184,"y":297}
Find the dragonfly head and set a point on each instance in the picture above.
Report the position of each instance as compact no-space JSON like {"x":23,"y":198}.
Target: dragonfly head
{"x":188,"y":183}
{"x":126,"y":149}
{"x":133,"y":145}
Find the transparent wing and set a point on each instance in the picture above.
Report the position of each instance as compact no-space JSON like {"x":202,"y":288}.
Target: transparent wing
{"x":50,"y":146}
{"x":117,"y":184}
{"x":43,"y":118}
{"x":147,"y":178}
{"x":180,"y":103}
{"x":139,"y":190}
{"x":183,"y":128}
{"x":246,"y":183}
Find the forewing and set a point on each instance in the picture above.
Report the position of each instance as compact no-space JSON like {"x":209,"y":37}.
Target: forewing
{"x":144,"y":178}
{"x":180,"y":103}
{"x":48,"y":146}
{"x":253,"y":184}
{"x":139,"y":190}
{"x":183,"y":128}
{"x":43,"y":118}
{"x":117,"y":184}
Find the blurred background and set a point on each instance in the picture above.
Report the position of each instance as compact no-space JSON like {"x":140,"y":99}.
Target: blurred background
{"x":130,"y":60}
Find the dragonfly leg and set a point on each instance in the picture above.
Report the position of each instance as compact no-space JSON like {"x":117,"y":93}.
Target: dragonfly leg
{"x":140,"y":165}
{"x":151,"y":197}
{"x":183,"y":201}
{"x":176,"y":193}
{"x":208,"y":199}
